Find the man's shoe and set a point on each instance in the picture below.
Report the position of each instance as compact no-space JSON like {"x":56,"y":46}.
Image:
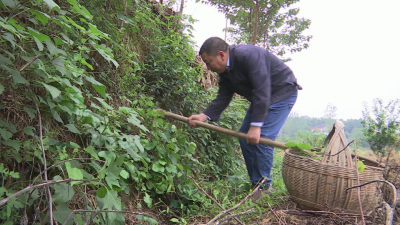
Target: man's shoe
{"x":260,"y":193}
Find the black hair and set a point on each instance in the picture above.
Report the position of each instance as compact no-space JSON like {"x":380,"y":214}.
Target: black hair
{"x":213,"y":45}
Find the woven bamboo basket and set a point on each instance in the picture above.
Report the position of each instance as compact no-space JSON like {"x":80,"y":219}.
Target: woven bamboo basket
{"x":321,"y":184}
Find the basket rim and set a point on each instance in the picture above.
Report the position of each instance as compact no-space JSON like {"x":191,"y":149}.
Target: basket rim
{"x":379,"y":166}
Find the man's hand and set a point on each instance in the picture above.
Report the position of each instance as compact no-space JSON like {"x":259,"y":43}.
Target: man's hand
{"x":199,"y":117}
{"x":253,"y":135}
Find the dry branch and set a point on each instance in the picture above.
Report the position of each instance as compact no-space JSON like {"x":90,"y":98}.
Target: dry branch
{"x":389,"y":213}
{"x":237,"y":205}
{"x":394,"y":189}
{"x":29,"y":63}
{"x":31,"y":187}
{"x":358,"y":182}
{"x":280,"y":220}
{"x":215,"y":201}
{"x":95,"y":212}
{"x":44,"y":156}
{"x":61,"y":162}
{"x":236,"y":215}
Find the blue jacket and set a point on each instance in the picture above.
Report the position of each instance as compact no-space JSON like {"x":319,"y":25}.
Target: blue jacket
{"x":256,"y":74}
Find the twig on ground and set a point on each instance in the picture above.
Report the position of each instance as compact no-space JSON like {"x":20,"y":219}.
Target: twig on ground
{"x":31,"y":187}
{"x":44,"y":160}
{"x":215,"y":201}
{"x":105,"y":211}
{"x":389,"y":213}
{"x":237,"y":205}
{"x":394,"y":189}
{"x":319,"y":213}
{"x":358,"y":183}
{"x":235,"y":215}
{"x":280,"y":220}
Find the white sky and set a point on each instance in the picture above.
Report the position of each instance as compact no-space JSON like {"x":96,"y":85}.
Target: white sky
{"x":354,"y":55}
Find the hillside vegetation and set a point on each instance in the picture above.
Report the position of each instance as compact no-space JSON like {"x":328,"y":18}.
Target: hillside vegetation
{"x":81,"y":138}
{"x":80,"y":84}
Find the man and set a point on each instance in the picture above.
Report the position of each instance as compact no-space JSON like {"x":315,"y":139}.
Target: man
{"x":267,"y":83}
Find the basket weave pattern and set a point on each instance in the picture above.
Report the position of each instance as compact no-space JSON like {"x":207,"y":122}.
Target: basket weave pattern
{"x":321,"y":184}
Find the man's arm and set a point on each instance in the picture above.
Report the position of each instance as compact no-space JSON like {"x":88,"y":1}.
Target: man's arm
{"x":222,"y":100}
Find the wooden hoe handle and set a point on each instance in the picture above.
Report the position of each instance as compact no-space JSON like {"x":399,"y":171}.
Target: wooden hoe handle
{"x":238,"y":134}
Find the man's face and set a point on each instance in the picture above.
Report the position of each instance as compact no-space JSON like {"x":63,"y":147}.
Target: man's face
{"x":216,"y":63}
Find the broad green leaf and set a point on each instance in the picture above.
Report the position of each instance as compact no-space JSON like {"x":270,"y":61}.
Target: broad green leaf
{"x":53,"y":90}
{"x":148,"y":200}
{"x":99,"y":87}
{"x":5,"y":60}
{"x":31,"y":112}
{"x":109,"y":156}
{"x":42,"y":17}
{"x":106,"y":53}
{"x":304,"y":146}
{"x":124,"y":174}
{"x":41,"y":37}
{"x":53,"y":49}
{"x":57,"y":116}
{"x":10,"y":38}
{"x":171,"y":168}
{"x":58,"y":63}
{"x":112,"y":201}
{"x":15,"y":24}
{"x":137,"y":142}
{"x":39,"y":44}
{"x":92,"y":151}
{"x":73,"y":173}
{"x":76,"y":7}
{"x":62,"y":192}
{"x":104,"y":103}
{"x":11,"y":127}
{"x":133,"y":154}
{"x":10,"y":3}
{"x":135,"y":121}
{"x":14,"y":174}
{"x":51,"y":4}
{"x":149,"y":145}
{"x":93,"y":30}
{"x":101,"y":192}
{"x":360,"y":166}
{"x":5,"y":134}
{"x":17,"y":78}
{"x":29,"y":131}
{"x":157,"y":167}
{"x":291,"y":145}
{"x":1,"y":88}
{"x":61,"y":212}
{"x":58,"y":41}
{"x":72,"y":128}
{"x":112,"y":180}
{"x":83,"y":61}
{"x":13,"y":143}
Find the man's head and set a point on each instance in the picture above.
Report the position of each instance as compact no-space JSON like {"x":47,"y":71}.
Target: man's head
{"x":215,"y":53}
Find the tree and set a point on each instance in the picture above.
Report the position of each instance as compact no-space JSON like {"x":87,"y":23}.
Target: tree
{"x":382,"y":125}
{"x":271,"y":24}
{"x":330,"y":111}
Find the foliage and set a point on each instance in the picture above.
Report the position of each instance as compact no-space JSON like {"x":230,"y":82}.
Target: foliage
{"x":330,"y":111}
{"x":382,"y":125}
{"x":298,"y":129}
{"x":272,"y":24}
{"x":96,"y":81}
